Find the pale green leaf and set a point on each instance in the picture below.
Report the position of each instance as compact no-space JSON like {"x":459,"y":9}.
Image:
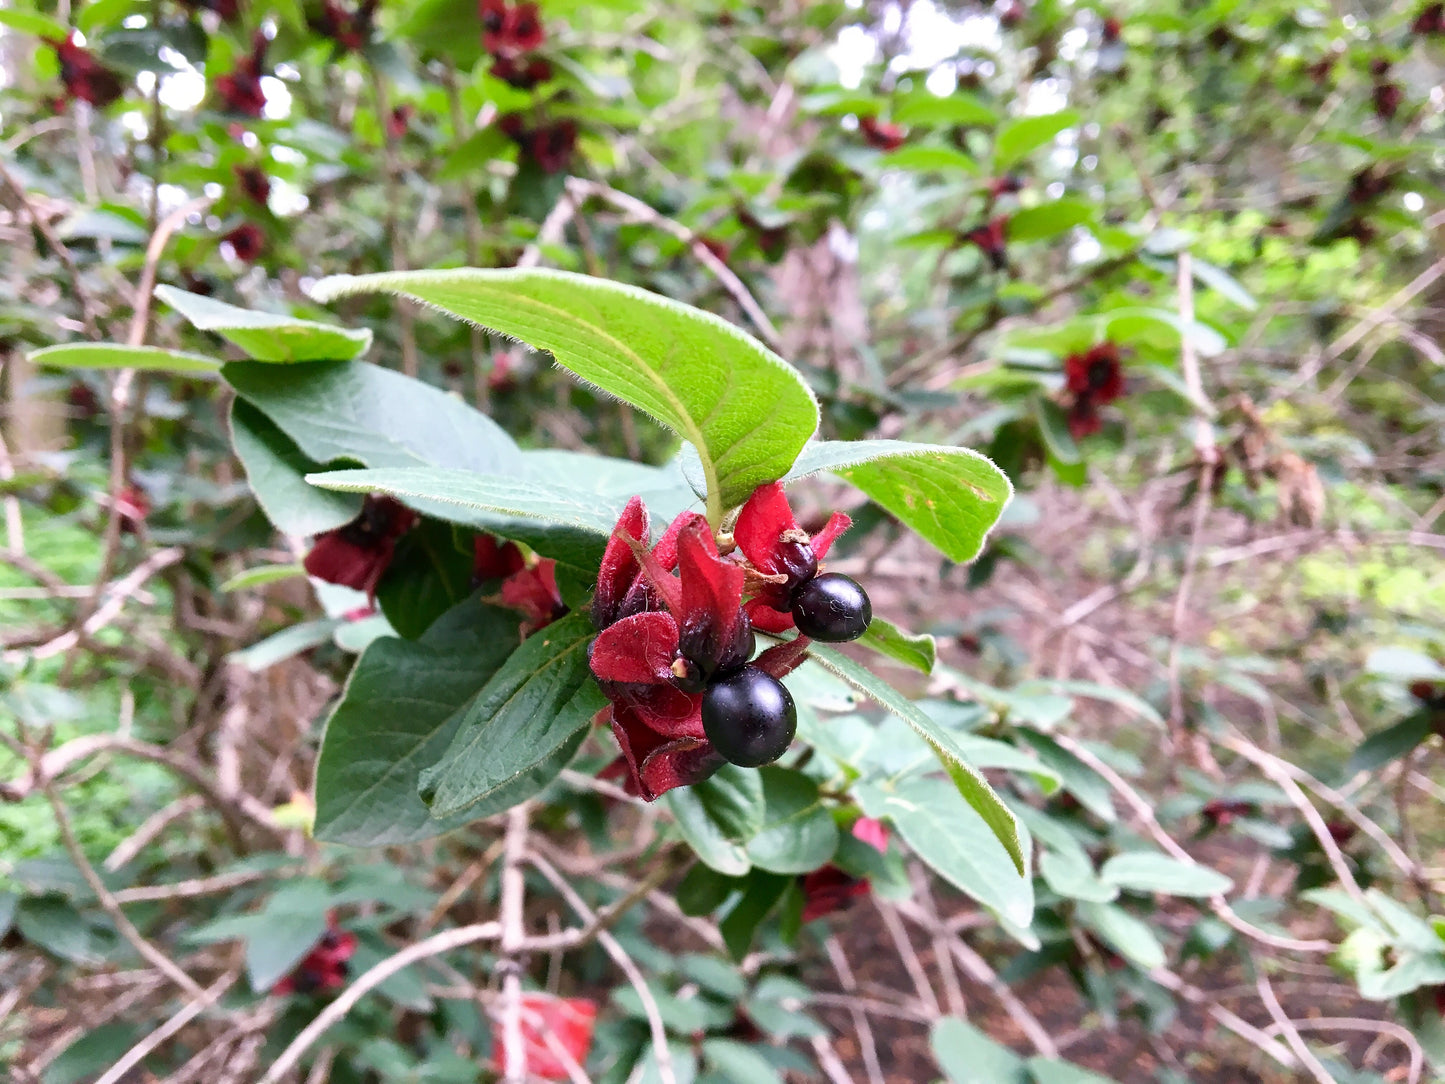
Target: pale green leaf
{"x":267,"y":336}
{"x":115,"y":356}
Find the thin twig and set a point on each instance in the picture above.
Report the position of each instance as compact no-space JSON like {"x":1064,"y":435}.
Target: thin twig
{"x":513,"y":1059}
{"x":199,"y":1003}
{"x":1379,"y":1027}
{"x":866,"y":1041}
{"x":67,"y":260}
{"x":1290,"y":1032}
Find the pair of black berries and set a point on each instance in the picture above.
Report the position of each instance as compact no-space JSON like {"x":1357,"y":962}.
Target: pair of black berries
{"x":748,"y":715}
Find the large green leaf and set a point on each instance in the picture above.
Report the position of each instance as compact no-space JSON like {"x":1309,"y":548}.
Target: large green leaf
{"x":537,"y":704}
{"x":401,"y":708}
{"x":918,"y":650}
{"x":1055,"y":1071}
{"x":1020,"y":138}
{"x":734,"y":800}
{"x":798,"y":833}
{"x":29,"y":22}
{"x":1088,"y":786}
{"x":971,"y":785}
{"x":950,"y":496}
{"x":277,"y":469}
{"x":1070,"y":873}
{"x":361,"y":413}
{"x":744,"y":409}
{"x":1390,"y":744}
{"x":569,"y":525}
{"x":1130,"y":937}
{"x":1146,"y":871}
{"x":949,"y":835}
{"x":1049,"y":219}
{"x":925,"y":107}
{"x":968,"y":1056}
{"x":268,"y":336}
{"x":117,"y":356}
{"x":704,"y":835}
{"x":429,"y":574}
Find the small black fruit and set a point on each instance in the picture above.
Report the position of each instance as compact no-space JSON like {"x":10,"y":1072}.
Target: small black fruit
{"x":833,"y":608}
{"x":749,"y":717}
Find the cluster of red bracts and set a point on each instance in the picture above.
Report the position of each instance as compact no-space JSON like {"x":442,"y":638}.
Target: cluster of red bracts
{"x":324,"y":967}
{"x":991,"y":241}
{"x":1386,"y":96}
{"x":1430,"y":22}
{"x":529,"y":589}
{"x":881,"y":134}
{"x":86,"y":79}
{"x":509,"y":32}
{"x":1094,"y":379}
{"x":247,"y":241}
{"x":240,"y":89}
{"x":569,"y":1021}
{"x":830,"y":889}
{"x":254,"y":184}
{"x":351,"y":30}
{"x":550,"y":146}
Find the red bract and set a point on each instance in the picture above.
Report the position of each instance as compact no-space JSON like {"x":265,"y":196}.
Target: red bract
{"x":132,"y":506}
{"x":884,"y":136}
{"x":241,"y":89}
{"x":86,"y":79}
{"x":1008,"y":184}
{"x":782,"y":553}
{"x":254,"y":183}
{"x":990,"y":239}
{"x":510,"y":31}
{"x":350,"y":30}
{"x":1083,"y":418}
{"x":399,"y":120}
{"x":246,"y":241}
{"x":1431,"y":20}
{"x":569,"y":1021}
{"x":1010,"y":14}
{"x":1096,"y":373}
{"x":493,"y":559}
{"x":1222,"y":811}
{"x":357,"y":554}
{"x":534,"y":592}
{"x":522,"y":75}
{"x":324,"y":967}
{"x":1387,"y":98}
{"x":830,"y":889}
{"x":551,"y":146}
{"x":1113,"y":29}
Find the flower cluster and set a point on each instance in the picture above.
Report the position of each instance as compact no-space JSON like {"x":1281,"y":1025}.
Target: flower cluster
{"x":86,"y":79}
{"x":550,"y":146}
{"x":568,"y":1021}
{"x":881,"y":134}
{"x":1386,"y":96}
{"x":351,"y":30}
{"x":1094,"y":379}
{"x":356,"y":555}
{"x":1430,"y":21}
{"x":508,"y":34}
{"x":324,"y":967}
{"x":253,"y":183}
{"x":830,"y":888}
{"x":240,"y":89}
{"x":132,"y":505}
{"x":674,"y":650}
{"x":531,"y":589}
{"x":991,"y":241}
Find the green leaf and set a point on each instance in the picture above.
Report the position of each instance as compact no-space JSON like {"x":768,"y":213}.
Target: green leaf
{"x":798,"y":833}
{"x":280,"y":646}
{"x":968,"y":1056}
{"x":276,"y":470}
{"x":734,"y":801}
{"x":29,"y":22}
{"x":292,"y":921}
{"x":1145,"y":871}
{"x":744,"y":409}
{"x":1088,"y":786}
{"x":267,"y":336}
{"x":55,"y":926}
{"x":400,"y":710}
{"x":571,"y":525}
{"x":739,"y":1063}
{"x":971,"y":785}
{"x":1130,"y":937}
{"x":925,"y":107}
{"x":1069,"y":873}
{"x":90,"y":1055}
{"x":951,"y":496}
{"x":1222,"y":283}
{"x":262,"y":575}
{"x":919,"y":651}
{"x":740,"y":925}
{"x":1054,"y":1071}
{"x":1049,"y":219}
{"x":704,"y":835}
{"x":1020,"y":138}
{"x":1161,"y":329}
{"x":1402,"y":664}
{"x":1392,"y":743}
{"x":428,"y":575}
{"x":115,"y":356}
{"x":1122,"y":697}
{"x":1053,"y":426}
{"x":536,"y":705}
{"x":703,"y":889}
{"x":930,"y":160}
{"x":362,"y":413}
{"x":949,"y":835}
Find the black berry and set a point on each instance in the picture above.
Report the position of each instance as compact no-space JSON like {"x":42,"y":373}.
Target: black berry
{"x":749,"y":717}
{"x":833,"y":608}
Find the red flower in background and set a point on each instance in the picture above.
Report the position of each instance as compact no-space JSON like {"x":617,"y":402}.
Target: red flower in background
{"x":568,"y":1020}
{"x":399,"y":120}
{"x":991,"y":241}
{"x":1096,"y":373}
{"x":254,"y":183}
{"x":228,"y":10}
{"x":493,"y":559}
{"x":324,"y":967}
{"x":782,"y":553}
{"x":1386,"y":98}
{"x":247,"y":241}
{"x":880,"y":134}
{"x":1220,"y":812}
{"x":1010,"y":14}
{"x":357,"y":554}
{"x":1083,"y":418}
{"x":830,"y":889}
{"x":520,"y":74}
{"x":350,"y":30}
{"x":534,"y":592}
{"x":509,"y":31}
{"x":549,"y":146}
{"x":1008,"y":184}
{"x":241,"y":88}
{"x":1431,"y":20}
{"x":1113,"y":30}
{"x":132,"y":505}
{"x":86,"y":79}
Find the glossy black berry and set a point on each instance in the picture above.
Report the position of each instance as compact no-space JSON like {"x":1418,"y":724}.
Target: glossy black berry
{"x":749,"y":717}
{"x":833,"y":608}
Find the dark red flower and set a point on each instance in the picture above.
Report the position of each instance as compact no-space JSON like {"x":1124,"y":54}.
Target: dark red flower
{"x":241,"y":89}
{"x":324,"y":967}
{"x":83,"y":400}
{"x":782,"y":554}
{"x":254,"y":183}
{"x":884,"y":136}
{"x":1008,"y":184}
{"x":1340,"y":832}
{"x":1010,"y":14}
{"x":524,"y":75}
{"x":534,"y":592}
{"x":86,"y":79}
{"x":1096,"y":373}
{"x":1320,"y":70}
{"x":399,"y":120}
{"x":247,"y":241}
{"x":350,"y":30}
{"x":132,"y":505}
{"x":716,"y":247}
{"x":501,"y":377}
{"x":1386,"y":98}
{"x":990,"y":238}
{"x":510,"y":31}
{"x":569,"y":1021}
{"x":1113,"y":30}
{"x":830,"y":889}
{"x":1222,"y":811}
{"x":357,"y":554}
{"x":1083,"y":417}
{"x":1431,"y":20}
{"x":493,"y":559}
{"x":551,"y":145}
